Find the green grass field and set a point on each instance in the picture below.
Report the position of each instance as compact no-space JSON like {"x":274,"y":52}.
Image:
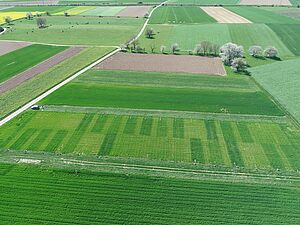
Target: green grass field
{"x":111,"y":2}
{"x":289,"y":34}
{"x":50,"y":9}
{"x":263,"y":145}
{"x":258,"y":15}
{"x":76,"y":30}
{"x":69,"y":197}
{"x":178,"y":98}
{"x":104,"y":11}
{"x":18,"y":61}
{"x":188,"y":36}
{"x":290,"y":12}
{"x":17,"y":97}
{"x":282,"y":81}
{"x":180,"y":15}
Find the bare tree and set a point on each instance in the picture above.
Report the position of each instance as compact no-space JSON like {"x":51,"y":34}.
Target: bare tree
{"x":174,"y":48}
{"x":29,"y":16}
{"x":135,"y":43}
{"x":215,"y":49}
{"x":205,"y":46}
{"x":41,"y":22}
{"x":198,"y":49}
{"x":163,"y":49}
{"x":153,"y":47}
{"x":8,"y":20}
{"x":150,"y":33}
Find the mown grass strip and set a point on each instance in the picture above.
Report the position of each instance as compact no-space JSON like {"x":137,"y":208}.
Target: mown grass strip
{"x":162,"y":127}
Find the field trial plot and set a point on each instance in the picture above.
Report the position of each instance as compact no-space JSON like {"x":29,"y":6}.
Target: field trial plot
{"x":103,"y":11}
{"x":40,"y":68}
{"x":164,"y":63}
{"x":223,"y":15}
{"x":265,"y":2}
{"x":10,"y":46}
{"x":134,"y":11}
{"x":263,"y":145}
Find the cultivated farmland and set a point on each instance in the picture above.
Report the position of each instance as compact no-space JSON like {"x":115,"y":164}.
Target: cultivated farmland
{"x":223,"y":15}
{"x":8,"y":46}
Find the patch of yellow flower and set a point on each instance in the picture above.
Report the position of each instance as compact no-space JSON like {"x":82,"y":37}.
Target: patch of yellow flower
{"x":13,"y":15}
{"x":76,"y":10}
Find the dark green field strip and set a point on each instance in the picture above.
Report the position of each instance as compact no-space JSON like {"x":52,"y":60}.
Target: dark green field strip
{"x":273,"y":156}
{"x":180,"y":15}
{"x":210,"y":129}
{"x":231,"y":144}
{"x":258,"y":15}
{"x":178,"y":128}
{"x":197,"y":150}
{"x":107,"y":144}
{"x":18,"y":61}
{"x":146,"y":126}
{"x":56,"y":141}
{"x":95,"y":76}
{"x":23,"y":139}
{"x":78,"y":133}
{"x":58,"y":197}
{"x":115,"y":125}
{"x":289,"y":34}
{"x":100,"y":123}
{"x":182,"y":99}
{"x":130,"y":125}
{"x":40,"y":139}
{"x":244,"y":132}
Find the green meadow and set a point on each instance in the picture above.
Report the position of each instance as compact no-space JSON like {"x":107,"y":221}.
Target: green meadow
{"x":76,"y":30}
{"x":104,"y":11}
{"x":18,"y":61}
{"x":180,"y":15}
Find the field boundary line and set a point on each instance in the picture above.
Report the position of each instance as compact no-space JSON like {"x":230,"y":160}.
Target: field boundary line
{"x":56,"y":87}
{"x":166,"y":113}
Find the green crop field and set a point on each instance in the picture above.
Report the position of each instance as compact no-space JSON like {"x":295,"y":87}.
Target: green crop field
{"x":50,"y":9}
{"x":176,"y":98}
{"x":289,"y":34}
{"x":111,"y":2}
{"x":18,"y":61}
{"x":104,"y":11}
{"x":17,"y":97}
{"x":264,"y":144}
{"x":204,"y":2}
{"x":56,"y":196}
{"x":282,"y":81}
{"x":290,"y":12}
{"x":180,"y":15}
{"x":76,"y":30}
{"x":258,"y":15}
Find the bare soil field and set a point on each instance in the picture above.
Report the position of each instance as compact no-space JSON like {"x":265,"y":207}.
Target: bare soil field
{"x":30,"y":73}
{"x":265,"y":2}
{"x":164,"y":63}
{"x":223,"y":15}
{"x":134,"y":11}
{"x":10,"y":46}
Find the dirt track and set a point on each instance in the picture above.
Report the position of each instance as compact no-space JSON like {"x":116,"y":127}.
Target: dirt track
{"x":265,"y":2}
{"x":134,"y":11}
{"x":223,"y":15}
{"x":30,"y":73}
{"x":9,"y":46}
{"x":164,"y":63}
